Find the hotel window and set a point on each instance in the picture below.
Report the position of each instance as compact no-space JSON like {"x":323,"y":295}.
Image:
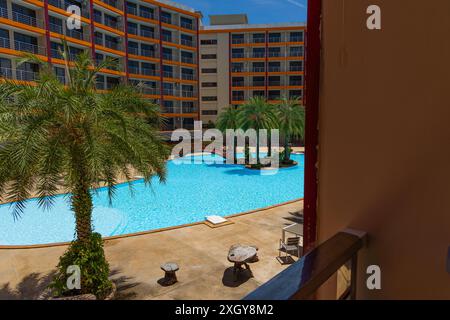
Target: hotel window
{"x":259,"y":93}
{"x":187,"y":74}
{"x":149,"y":32}
{"x":167,"y":35}
{"x":209,"y":98}
{"x":146,"y":12}
{"x":111,"y":21}
{"x":259,"y":52}
{"x":133,"y":48}
{"x":209,"y":84}
{"x":209,"y":70}
{"x":100,"y":82}
{"x":274,"y":66}
{"x":55,"y":50}
{"x":4,"y":38}
{"x":259,"y":81}
{"x":166,"y":17}
{"x":295,"y":94}
{"x":274,"y":52}
{"x":131,"y":8}
{"x":186,"y":23}
{"x":187,"y":91}
{"x":238,"y":96}
{"x":209,"y":56}
{"x":296,"y":37}
{"x":295,"y":80}
{"x":132,"y":28}
{"x":258,"y":67}
{"x":237,"y":38}
{"x":60,"y":74}
{"x":148,"y":69}
{"x":274,"y":95}
{"x":187,"y":40}
{"x":148,"y":50}
{"x":5,"y":68}
{"x":98,"y":16}
{"x":167,"y":54}
{"x":168,"y":89}
{"x":237,"y":67}
{"x":55,"y":25}
{"x":296,"y":51}
{"x":23,"y":42}
{"x":133,"y":66}
{"x":259,"y":37}
{"x":187,"y":107}
{"x":187,"y":57}
{"x":167,"y":71}
{"x":111,"y":42}
{"x":237,"y":53}
{"x":209,"y":112}
{"x":238,"y":82}
{"x":296,"y":66}
{"x":274,"y":81}
{"x":208,"y":42}
{"x":274,"y":37}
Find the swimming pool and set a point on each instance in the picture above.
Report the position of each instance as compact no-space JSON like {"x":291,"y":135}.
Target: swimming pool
{"x":192,"y":191}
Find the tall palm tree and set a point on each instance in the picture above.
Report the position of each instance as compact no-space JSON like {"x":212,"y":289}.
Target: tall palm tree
{"x":72,"y":138}
{"x":257,"y":114}
{"x":291,"y":122}
{"x":229,"y":119}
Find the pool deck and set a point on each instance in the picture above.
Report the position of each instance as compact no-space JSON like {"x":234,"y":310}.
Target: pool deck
{"x":200,"y":251}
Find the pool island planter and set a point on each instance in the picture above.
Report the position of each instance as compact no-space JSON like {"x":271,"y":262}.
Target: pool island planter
{"x":136,"y":234}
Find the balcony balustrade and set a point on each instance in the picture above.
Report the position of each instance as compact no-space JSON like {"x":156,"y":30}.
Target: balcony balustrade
{"x":237,"y":40}
{"x":5,"y":43}
{"x":132,"y":10}
{"x":28,"y":47}
{"x":186,"y":42}
{"x":147,"y":15}
{"x":112,"y":3}
{"x":147,"y":34}
{"x":26,"y":19}
{"x":189,"y":60}
{"x":3,"y":13}
{"x":112,"y":45}
{"x":187,"y":25}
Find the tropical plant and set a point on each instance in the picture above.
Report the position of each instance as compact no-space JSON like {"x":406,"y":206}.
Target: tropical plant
{"x":70,"y":137}
{"x":229,"y":119}
{"x":257,"y":114}
{"x":291,"y":122}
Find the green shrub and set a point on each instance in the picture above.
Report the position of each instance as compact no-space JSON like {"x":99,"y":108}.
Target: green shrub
{"x":94,"y":269}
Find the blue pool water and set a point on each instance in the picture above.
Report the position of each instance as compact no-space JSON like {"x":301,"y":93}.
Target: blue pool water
{"x":192,"y":191}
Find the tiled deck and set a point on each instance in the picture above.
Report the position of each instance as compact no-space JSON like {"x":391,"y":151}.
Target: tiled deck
{"x":200,"y":251}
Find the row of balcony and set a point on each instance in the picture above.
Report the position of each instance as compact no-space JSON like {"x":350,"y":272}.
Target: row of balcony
{"x":270,"y":54}
{"x":165,"y":37}
{"x":270,"y":96}
{"x":273,"y":83}
{"x":77,"y":34}
{"x":157,"y":73}
{"x":21,"y":18}
{"x":148,"y":14}
{"x":269,"y":69}
{"x":272,"y":38}
{"x":22,"y":46}
{"x":179,"y":109}
{"x":64,"y":4}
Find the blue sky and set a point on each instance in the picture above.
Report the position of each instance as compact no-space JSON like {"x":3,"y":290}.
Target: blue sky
{"x":258,"y":11}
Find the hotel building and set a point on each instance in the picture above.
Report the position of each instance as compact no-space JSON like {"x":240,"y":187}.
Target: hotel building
{"x":239,"y":61}
{"x":163,"y":46}
{"x":154,"y":42}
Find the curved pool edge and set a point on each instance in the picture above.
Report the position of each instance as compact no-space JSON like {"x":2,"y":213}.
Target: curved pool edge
{"x":142,"y":233}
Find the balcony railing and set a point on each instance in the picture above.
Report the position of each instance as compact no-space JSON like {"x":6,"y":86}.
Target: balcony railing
{"x":76,"y":34}
{"x":302,"y":279}
{"x":111,"y":44}
{"x":259,"y":83}
{"x":17,"y":74}
{"x":295,"y":68}
{"x":166,"y":19}
{"x":133,"y":50}
{"x":274,"y":39}
{"x":189,"y":60}
{"x":187,"y":25}
{"x":146,"y":14}
{"x":5,"y":43}
{"x":237,"y":40}
{"x":258,"y":69}
{"x":64,"y":4}
{"x":149,"y":53}
{"x":25,"y":19}
{"x":274,"y":69}
{"x":111,"y":23}
{"x":186,"y":42}
{"x":296,"y":39}
{"x":148,"y":34}
{"x":149,"y":72}
{"x":170,"y":57}
{"x":28,"y":47}
{"x":238,"y":84}
{"x":132,"y":10}
{"x":3,"y":13}
{"x":132,"y":30}
{"x":187,"y":76}
{"x":168,"y":74}
{"x":133,"y":70}
{"x":112,"y":3}
{"x":56,"y":54}
{"x":295,"y":82}
{"x":237,"y":55}
{"x":273,"y":54}
{"x":258,"y":40}
{"x":150,"y":90}
{"x":274,"y":83}
{"x":56,"y":28}
{"x":257,"y":55}
{"x":295,"y":53}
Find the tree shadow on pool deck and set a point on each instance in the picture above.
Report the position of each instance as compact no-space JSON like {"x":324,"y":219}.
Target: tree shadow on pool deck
{"x":29,"y":288}
{"x":229,"y":279}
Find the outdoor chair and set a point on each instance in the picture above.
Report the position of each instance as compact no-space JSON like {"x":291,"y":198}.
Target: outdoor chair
{"x":291,"y":245}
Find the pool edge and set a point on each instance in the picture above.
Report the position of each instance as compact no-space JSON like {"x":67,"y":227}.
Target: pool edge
{"x":141,"y":233}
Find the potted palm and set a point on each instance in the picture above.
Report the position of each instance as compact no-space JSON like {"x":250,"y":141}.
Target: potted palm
{"x":71,"y":138}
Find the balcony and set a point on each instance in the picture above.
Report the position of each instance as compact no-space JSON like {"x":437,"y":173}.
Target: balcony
{"x":296,"y":83}
{"x":258,"y":69}
{"x":237,"y":55}
{"x":133,"y":50}
{"x":5,"y":43}
{"x":132,"y":30}
{"x":149,"y":72}
{"x":147,"y":34}
{"x":17,"y":74}
{"x":112,"y":3}
{"x":187,"y":25}
{"x":167,"y":38}
{"x":167,"y":20}
{"x":56,"y":54}
{"x":189,"y":60}
{"x":28,"y":47}
{"x":76,"y":34}
{"x":187,"y":76}
{"x":112,"y":24}
{"x":296,"y":53}
{"x":303,"y":278}
{"x":168,"y":74}
{"x":257,"y":55}
{"x":112,"y":45}
{"x":56,"y":28}
{"x":238,"y":83}
{"x":259,"y":83}
{"x":274,"y":69}
{"x":132,"y":10}
{"x":3,"y":13}
{"x":25,"y":19}
{"x":133,"y":70}
{"x":237,"y":40}
{"x":274,"y":54}
{"x":275,"y":83}
{"x":186,"y":42}
{"x":147,"y":15}
{"x":258,"y":40}
{"x":295,"y":68}
{"x":296,"y":39}
{"x":149,"y":53}
{"x":169,"y":57}
{"x":150,"y":90}
{"x":63,"y":4}
{"x":274,"y":39}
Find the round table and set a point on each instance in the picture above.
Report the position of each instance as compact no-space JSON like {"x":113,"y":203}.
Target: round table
{"x":240,"y":255}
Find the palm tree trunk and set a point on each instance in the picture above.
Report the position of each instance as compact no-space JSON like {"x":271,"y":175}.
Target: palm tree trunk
{"x":235,"y":150}
{"x":287,"y":153}
{"x":82,"y":206}
{"x":269,"y":145}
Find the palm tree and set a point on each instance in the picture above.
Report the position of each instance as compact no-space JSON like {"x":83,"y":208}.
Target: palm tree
{"x":229,"y":119}
{"x":257,"y":114}
{"x":291,"y":122}
{"x":72,"y":138}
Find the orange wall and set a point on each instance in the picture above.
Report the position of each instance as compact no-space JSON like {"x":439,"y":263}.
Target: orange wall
{"x":384,"y":151}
